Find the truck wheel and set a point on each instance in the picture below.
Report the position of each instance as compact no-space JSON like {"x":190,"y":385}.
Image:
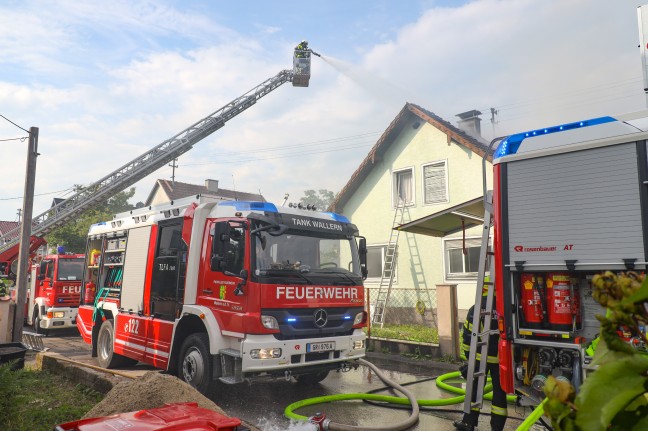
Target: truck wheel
{"x":312,"y":378}
{"x":194,"y":364}
{"x":106,"y":357}
{"x":37,"y":323}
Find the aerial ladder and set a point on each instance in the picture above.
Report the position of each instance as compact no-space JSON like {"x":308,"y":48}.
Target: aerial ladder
{"x":148,"y":162}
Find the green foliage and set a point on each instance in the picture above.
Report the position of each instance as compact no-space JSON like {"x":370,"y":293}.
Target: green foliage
{"x":420,"y":333}
{"x":33,"y":400}
{"x":321,"y":198}
{"x":615,"y":396}
{"x":73,"y":234}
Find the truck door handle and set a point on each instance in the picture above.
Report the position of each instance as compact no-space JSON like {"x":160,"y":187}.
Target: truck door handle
{"x":208,"y":291}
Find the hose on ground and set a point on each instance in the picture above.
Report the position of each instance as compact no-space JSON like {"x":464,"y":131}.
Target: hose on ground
{"x":410,"y":399}
{"x":440,"y":382}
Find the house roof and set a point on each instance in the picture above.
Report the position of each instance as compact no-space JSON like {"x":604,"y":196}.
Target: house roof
{"x":410,"y":111}
{"x":177,"y":190}
{"x":7,"y":226}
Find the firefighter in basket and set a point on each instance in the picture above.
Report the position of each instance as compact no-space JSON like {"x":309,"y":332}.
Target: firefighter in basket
{"x":499,"y":410}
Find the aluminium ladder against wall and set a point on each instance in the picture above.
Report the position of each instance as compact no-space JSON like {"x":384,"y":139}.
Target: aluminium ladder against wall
{"x":143,"y":165}
{"x":389,"y":267}
{"x":480,"y":334}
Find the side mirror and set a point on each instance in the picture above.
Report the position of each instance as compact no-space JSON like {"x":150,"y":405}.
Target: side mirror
{"x":362,"y":251}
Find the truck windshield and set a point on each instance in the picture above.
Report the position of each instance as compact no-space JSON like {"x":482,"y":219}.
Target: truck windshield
{"x":317,"y":259}
{"x":70,"y":269}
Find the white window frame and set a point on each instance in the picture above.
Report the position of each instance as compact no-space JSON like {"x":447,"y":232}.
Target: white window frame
{"x":447,"y":182}
{"x":394,"y":184}
{"x":383,"y":250}
{"x":451,"y":244}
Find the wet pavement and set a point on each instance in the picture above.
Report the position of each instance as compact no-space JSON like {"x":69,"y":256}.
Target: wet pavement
{"x":263,"y":403}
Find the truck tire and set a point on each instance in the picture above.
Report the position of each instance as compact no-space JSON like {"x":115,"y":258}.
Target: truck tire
{"x":106,"y":357}
{"x":312,"y":378}
{"x":194,"y":362}
{"x":37,"y":323}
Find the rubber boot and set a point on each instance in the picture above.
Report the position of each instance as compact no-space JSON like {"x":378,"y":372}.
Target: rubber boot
{"x":497,"y":422}
{"x":463,"y":426}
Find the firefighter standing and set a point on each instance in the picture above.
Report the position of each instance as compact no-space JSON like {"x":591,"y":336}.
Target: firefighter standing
{"x":499,"y":410}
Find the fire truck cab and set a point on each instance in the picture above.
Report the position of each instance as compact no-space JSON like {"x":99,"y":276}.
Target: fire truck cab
{"x":227,"y":290}
{"x":54,"y":292}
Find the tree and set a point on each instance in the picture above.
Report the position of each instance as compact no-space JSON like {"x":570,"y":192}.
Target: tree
{"x":322,"y":198}
{"x":73,"y":235}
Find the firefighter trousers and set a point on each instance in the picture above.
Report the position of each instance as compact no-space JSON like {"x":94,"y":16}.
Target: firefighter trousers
{"x":499,"y":410}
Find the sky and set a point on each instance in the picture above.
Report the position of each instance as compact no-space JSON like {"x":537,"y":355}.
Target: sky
{"x":106,"y":81}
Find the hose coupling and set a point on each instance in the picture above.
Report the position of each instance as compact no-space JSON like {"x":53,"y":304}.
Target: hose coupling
{"x":320,"y":421}
{"x":288,"y":375}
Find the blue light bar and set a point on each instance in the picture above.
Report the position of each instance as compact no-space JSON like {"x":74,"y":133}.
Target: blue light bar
{"x":338,"y":217}
{"x":511,"y":144}
{"x":251,"y":206}
{"x":347,"y":317}
{"x":291,"y":319}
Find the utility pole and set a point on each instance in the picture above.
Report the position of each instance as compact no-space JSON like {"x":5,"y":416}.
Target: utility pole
{"x":25,"y":235}
{"x":19,"y":212}
{"x":174,"y":166}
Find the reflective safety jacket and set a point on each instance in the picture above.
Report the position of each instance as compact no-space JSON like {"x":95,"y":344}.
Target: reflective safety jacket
{"x":467,"y":335}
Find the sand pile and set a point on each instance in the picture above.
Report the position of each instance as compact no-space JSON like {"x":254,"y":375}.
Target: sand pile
{"x":150,"y":391}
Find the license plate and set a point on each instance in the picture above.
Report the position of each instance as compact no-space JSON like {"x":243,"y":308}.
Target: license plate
{"x":320,"y":347}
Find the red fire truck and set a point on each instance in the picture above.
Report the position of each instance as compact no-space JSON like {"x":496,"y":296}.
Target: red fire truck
{"x":569,"y":201}
{"x":54,"y":292}
{"x":226,"y":290}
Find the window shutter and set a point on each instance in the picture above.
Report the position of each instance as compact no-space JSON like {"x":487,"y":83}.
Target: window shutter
{"x":434,"y":177}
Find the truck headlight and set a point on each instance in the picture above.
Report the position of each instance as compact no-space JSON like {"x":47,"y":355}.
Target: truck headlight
{"x":59,"y":314}
{"x":265,"y":353}
{"x":269,"y":322}
{"x":359,"y":345}
{"x":359,"y":318}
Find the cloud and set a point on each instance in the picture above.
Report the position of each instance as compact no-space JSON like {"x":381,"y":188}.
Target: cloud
{"x":105,"y":83}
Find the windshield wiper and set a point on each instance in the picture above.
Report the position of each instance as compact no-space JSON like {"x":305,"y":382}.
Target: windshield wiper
{"x":285,"y":272}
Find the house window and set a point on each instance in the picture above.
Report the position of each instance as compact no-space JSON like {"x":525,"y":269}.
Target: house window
{"x":435,"y":183}
{"x":376,"y":263}
{"x":458,"y":264}
{"x":403,"y":182}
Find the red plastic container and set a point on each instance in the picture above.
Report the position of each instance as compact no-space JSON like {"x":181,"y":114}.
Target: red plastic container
{"x":171,"y":417}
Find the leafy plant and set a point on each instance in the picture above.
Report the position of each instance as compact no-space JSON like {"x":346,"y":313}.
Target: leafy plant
{"x":615,"y":396}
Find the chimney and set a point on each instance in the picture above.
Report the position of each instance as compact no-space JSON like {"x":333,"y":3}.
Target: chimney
{"x":211,"y":186}
{"x":469,"y":122}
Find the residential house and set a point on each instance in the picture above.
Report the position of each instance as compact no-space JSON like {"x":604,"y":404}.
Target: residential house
{"x":6,"y":227}
{"x":429,"y":165}
{"x":165,"y":191}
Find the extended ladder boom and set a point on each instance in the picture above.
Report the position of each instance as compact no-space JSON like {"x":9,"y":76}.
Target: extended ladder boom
{"x":145,"y":164}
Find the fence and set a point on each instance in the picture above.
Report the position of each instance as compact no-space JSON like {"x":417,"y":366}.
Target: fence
{"x":407,"y":306}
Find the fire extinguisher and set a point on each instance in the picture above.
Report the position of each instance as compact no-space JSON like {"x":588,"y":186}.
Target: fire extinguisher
{"x":563,"y":302}
{"x":90,"y":292}
{"x":532,"y":301}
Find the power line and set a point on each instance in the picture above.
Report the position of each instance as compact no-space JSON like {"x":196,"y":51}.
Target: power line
{"x":24,"y":130}
{"x":21,"y":139}
{"x":40,"y":194}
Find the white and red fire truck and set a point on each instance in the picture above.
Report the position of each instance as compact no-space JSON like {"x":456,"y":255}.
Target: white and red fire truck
{"x":226,"y":290}
{"x":569,"y":201}
{"x":54,"y":292}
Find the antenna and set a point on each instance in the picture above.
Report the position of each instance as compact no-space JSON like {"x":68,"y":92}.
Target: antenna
{"x":285,"y":199}
{"x":174,"y":166}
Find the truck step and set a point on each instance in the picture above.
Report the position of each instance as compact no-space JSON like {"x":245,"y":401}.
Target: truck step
{"x":231,"y":380}
{"x":230,"y":352}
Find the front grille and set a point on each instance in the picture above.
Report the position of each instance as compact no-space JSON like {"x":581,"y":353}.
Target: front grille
{"x":298,"y":323}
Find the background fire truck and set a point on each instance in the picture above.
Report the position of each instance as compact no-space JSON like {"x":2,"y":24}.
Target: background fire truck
{"x":229,"y":290}
{"x":54,"y":292}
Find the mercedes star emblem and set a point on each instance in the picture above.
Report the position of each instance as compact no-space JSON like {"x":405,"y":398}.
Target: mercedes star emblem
{"x":320,"y":317}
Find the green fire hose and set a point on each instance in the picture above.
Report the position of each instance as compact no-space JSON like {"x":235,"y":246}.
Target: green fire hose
{"x":289,"y":411}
